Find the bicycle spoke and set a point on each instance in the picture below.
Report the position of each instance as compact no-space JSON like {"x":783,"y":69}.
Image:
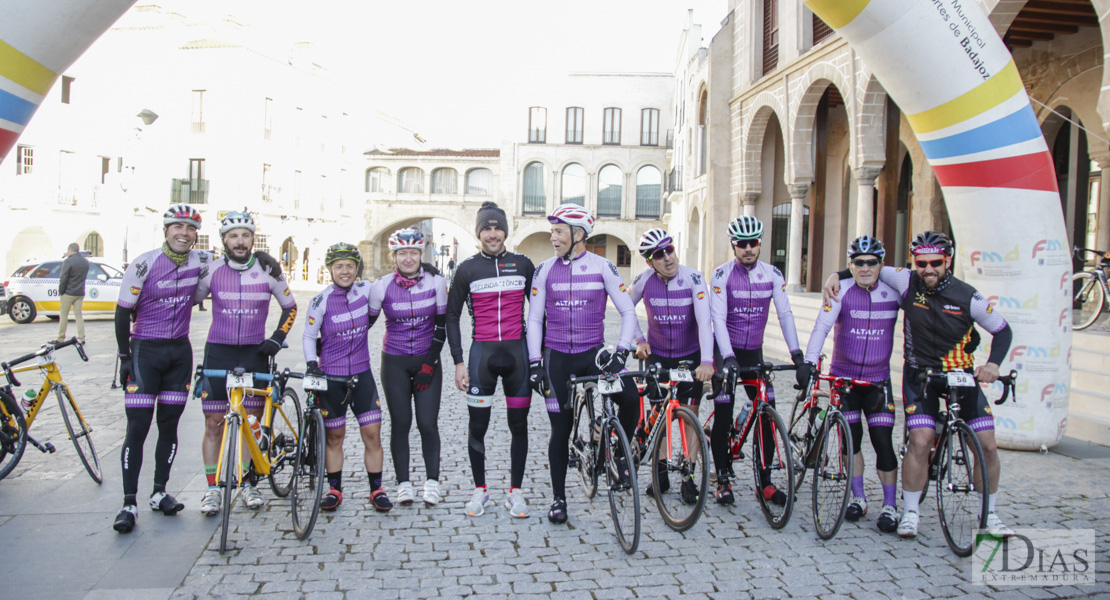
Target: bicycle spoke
{"x":679,"y":466}
{"x":832,"y":476}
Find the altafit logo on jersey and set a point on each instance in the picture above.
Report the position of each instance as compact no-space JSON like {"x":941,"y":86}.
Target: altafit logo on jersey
{"x":867,"y":332}
{"x":569,"y":303}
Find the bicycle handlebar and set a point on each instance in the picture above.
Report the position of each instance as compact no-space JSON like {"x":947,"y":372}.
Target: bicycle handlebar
{"x":1008,"y":382}
{"x":7,"y":367}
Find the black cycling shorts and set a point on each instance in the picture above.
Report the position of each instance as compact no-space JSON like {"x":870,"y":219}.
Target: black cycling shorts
{"x":161,"y":373}
{"x":225,"y":357}
{"x":689,"y":393}
{"x":875,"y":402}
{"x":505,"y":359}
{"x":363,"y":402}
{"x":922,"y":405}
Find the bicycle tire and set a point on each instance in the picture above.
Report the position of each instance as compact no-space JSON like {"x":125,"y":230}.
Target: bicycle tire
{"x":583,"y":444}
{"x":832,"y":475}
{"x":13,"y":433}
{"x":1088,"y":300}
{"x":80,"y":435}
{"x":961,"y":498}
{"x":310,"y":475}
{"x":781,"y":462}
{"x":692,"y":470}
{"x":231,"y":465}
{"x":624,"y":498}
{"x":284,"y":426}
{"x":801,"y":434}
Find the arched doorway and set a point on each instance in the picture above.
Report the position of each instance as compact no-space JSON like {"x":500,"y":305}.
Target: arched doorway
{"x":1068,"y":141}
{"x":94,"y":244}
{"x":30,"y":244}
{"x":832,"y":221}
{"x":898,"y":247}
{"x":288,"y":255}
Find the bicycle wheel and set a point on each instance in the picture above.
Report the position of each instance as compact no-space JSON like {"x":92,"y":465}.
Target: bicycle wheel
{"x":624,"y":499}
{"x":683,"y":446}
{"x":1088,"y":300}
{"x":285,"y":426}
{"x":583,"y":441}
{"x":800,"y":434}
{"x":13,"y":433}
{"x":309,"y":475}
{"x":773,"y":465}
{"x":231,"y":467}
{"x":961,"y":489}
{"x":79,"y":433}
{"x":832,"y":475}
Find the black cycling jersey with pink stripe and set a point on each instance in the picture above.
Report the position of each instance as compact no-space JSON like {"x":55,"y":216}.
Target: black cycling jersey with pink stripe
{"x":494,"y":290}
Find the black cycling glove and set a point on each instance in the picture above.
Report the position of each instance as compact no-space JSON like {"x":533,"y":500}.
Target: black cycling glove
{"x":126,"y":369}
{"x":537,"y":379}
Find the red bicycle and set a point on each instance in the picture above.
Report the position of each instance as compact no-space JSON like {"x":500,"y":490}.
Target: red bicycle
{"x":772,"y":462}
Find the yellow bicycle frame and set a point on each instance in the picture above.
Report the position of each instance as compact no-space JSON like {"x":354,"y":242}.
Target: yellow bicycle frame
{"x":235,"y":398}
{"x":53,"y":379}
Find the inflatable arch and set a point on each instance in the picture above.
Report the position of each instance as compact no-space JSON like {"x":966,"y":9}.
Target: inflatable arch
{"x":948,"y":70}
{"x":942,"y":62}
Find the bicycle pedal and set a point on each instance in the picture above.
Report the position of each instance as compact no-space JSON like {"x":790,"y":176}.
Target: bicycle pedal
{"x":49,"y":448}
{"x":572,"y":462}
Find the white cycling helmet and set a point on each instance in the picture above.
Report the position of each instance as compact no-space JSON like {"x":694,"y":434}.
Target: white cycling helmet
{"x":236,"y":220}
{"x":181,"y":213}
{"x":653,"y":240}
{"x":745,"y":228}
{"x":574,"y":215}
{"x":406,"y":238}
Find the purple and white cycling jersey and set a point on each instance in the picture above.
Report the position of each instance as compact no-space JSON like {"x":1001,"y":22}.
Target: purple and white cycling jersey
{"x":342,"y":318}
{"x":740,"y":299}
{"x":679,"y":321}
{"x":571,"y":295}
{"x":410,"y":313}
{"x":241,"y":302}
{"x":864,"y":331}
{"x":161,"y":293}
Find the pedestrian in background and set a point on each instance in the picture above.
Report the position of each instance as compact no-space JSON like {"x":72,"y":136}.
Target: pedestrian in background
{"x":71,"y":291}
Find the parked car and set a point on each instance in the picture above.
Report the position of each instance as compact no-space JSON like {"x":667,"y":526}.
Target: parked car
{"x":33,"y":290}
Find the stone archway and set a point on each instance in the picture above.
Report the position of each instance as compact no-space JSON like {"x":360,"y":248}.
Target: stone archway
{"x":32,"y":243}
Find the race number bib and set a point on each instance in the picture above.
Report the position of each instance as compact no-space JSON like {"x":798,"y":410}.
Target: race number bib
{"x":315,"y":384}
{"x":681,"y":375}
{"x":239,"y":381}
{"x":961,"y":379}
{"x":610,"y":386}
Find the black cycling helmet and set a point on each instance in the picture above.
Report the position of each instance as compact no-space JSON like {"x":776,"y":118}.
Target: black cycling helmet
{"x":931,"y":242}
{"x":866,"y":244}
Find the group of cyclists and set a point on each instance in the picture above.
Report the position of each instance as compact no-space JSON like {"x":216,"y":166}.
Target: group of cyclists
{"x":533,"y":327}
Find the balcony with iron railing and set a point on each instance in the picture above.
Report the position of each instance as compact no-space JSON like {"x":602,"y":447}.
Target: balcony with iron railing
{"x":534,"y":204}
{"x":189,"y":191}
{"x":673,"y":181}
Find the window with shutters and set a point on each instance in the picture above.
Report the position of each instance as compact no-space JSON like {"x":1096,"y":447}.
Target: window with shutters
{"x":770,"y":35}
{"x":821,"y":30}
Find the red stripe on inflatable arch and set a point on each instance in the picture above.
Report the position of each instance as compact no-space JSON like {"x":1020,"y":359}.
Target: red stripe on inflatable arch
{"x":7,"y":140}
{"x":1025,"y":172}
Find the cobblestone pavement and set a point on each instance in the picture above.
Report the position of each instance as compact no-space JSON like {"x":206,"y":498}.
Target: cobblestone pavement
{"x":438,"y":552}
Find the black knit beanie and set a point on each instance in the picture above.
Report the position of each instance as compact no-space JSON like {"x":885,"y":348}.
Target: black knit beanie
{"x":491,"y":214}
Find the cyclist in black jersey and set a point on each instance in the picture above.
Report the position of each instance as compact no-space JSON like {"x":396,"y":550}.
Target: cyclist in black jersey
{"x":493,"y":286}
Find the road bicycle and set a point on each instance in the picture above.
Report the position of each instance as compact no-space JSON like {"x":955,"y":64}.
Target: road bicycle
{"x":599,"y":445}
{"x":821,"y":439}
{"x":669,"y":434}
{"x":957,"y":462}
{"x":1089,"y":290}
{"x":15,"y":427}
{"x":772,"y":462}
{"x":271,"y":450}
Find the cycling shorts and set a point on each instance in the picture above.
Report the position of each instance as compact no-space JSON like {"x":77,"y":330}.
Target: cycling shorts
{"x":689,"y":393}
{"x":161,"y":372}
{"x":505,"y":359}
{"x":363,"y":401}
{"x":922,"y":405}
{"x":875,"y":402}
{"x":561,"y":366}
{"x":225,"y":357}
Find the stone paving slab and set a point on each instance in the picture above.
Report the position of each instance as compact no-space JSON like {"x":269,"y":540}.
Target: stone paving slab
{"x":50,"y":507}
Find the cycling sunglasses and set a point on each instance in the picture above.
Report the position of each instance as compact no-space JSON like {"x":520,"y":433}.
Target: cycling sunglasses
{"x":871,"y":262}
{"x":921,"y":264}
{"x":659,"y":253}
{"x":745,"y":243}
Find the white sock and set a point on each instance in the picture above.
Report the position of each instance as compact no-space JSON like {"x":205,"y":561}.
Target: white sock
{"x":912,"y":500}
{"x":990,"y":501}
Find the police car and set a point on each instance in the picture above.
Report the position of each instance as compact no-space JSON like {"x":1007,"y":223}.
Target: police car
{"x":32,"y":290}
